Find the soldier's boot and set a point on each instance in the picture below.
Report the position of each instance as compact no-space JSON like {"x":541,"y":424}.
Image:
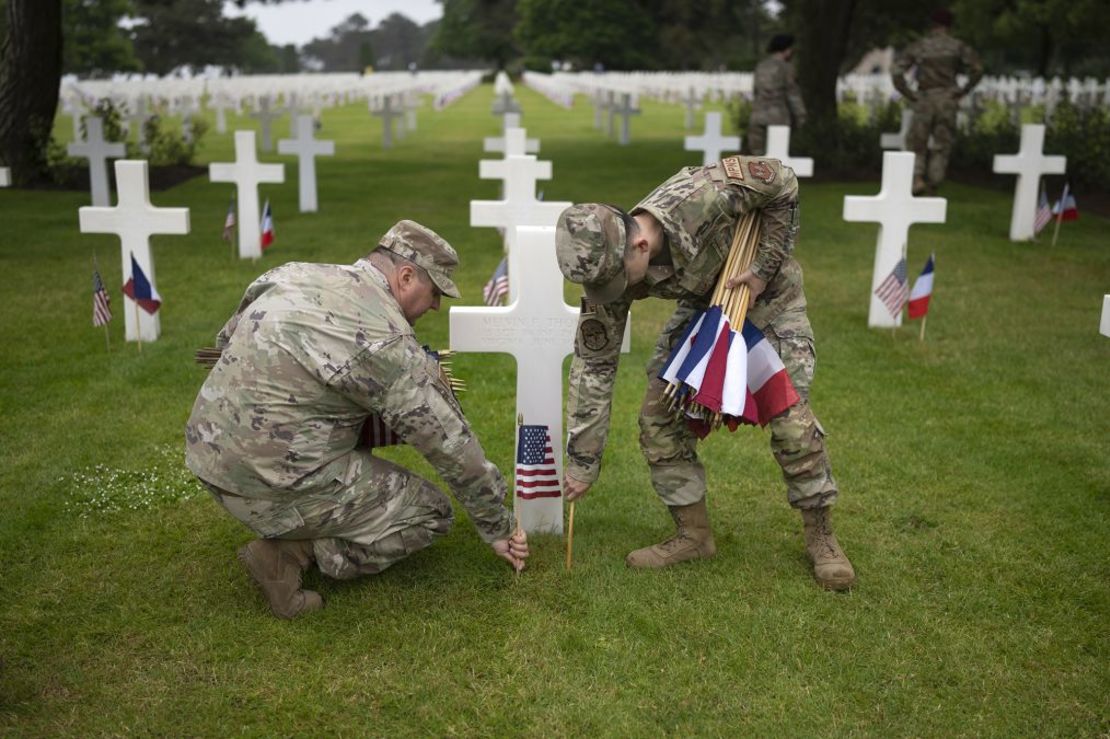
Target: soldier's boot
{"x":919,"y":185}
{"x":276,"y":566}
{"x":693,"y":540}
{"x":831,"y":567}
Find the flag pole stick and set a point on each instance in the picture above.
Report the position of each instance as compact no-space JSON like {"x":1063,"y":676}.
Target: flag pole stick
{"x":138,"y":327}
{"x":516,"y":501}
{"x":1059,"y":220}
{"x":570,"y":537}
{"x":107,"y":341}
{"x":921,"y":336}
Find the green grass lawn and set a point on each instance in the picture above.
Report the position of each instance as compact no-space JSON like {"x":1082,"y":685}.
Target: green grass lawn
{"x":974,"y":471}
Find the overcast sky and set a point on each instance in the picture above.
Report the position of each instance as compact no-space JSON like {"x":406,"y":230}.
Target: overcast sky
{"x":300,"y":21}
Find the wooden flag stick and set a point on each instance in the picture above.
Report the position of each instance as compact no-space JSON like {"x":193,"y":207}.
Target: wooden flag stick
{"x":1059,"y":220}
{"x":516,"y":501}
{"x":570,"y":537}
{"x":138,"y":331}
{"x":921,"y":336}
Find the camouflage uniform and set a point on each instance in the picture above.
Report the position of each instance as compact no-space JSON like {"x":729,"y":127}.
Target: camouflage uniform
{"x":699,"y":209}
{"x":778,"y":101}
{"x":312,"y":351}
{"x":939,"y":58}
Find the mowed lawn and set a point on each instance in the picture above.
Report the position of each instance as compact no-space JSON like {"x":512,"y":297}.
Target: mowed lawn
{"x":974,"y":470}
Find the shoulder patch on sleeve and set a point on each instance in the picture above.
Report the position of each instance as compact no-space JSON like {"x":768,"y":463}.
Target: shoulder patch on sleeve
{"x":732,"y":168}
{"x":762,"y":170}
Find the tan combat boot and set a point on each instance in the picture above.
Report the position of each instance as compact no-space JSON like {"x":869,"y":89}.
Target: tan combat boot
{"x":694,"y":540}
{"x":276,"y":565}
{"x":831,"y":567}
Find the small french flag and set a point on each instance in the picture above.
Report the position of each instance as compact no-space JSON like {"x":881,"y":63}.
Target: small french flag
{"x":267,"y":226}
{"x":922,"y":290}
{"x":142,"y":290}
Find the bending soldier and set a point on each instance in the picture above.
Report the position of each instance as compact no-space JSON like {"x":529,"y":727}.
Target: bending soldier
{"x":674,"y":245}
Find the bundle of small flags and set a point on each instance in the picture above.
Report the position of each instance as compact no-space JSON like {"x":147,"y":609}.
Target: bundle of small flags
{"x":723,"y":370}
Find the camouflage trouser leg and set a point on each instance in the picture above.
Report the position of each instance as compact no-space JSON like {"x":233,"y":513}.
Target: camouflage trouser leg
{"x":797,"y":438}
{"x":669,"y":448}
{"x":934,"y":114}
{"x":381,"y":515}
{"x":757,"y":139}
{"x":385,"y":514}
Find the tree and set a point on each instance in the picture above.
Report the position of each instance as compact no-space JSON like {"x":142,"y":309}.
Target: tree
{"x":168,"y":35}
{"x":617,"y":34}
{"x":30,"y":74}
{"x":478,"y":29}
{"x":94,"y":41}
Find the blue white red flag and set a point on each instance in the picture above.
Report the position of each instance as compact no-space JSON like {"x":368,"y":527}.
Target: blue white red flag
{"x":770,"y":391}
{"x":681,"y":350}
{"x":536,"y":476}
{"x":267,"y":226}
{"x":498,"y":285}
{"x":376,"y":434}
{"x":1066,"y":209}
{"x":142,"y":290}
{"x":922,"y":290}
{"x":702,"y":343}
{"x":892,"y":291}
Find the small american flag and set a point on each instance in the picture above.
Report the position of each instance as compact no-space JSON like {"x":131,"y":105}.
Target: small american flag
{"x":1044,"y":214}
{"x":229,"y":221}
{"x":498,"y":285}
{"x":376,"y":434}
{"x":102,"y":311}
{"x":536,"y":476}
{"x":893,"y":290}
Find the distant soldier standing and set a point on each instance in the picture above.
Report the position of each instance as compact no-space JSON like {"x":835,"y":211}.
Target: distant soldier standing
{"x":777,"y":99}
{"x":939,"y":58}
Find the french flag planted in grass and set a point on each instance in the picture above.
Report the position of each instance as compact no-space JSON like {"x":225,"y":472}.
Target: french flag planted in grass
{"x":141,"y":290}
{"x":922,"y":290}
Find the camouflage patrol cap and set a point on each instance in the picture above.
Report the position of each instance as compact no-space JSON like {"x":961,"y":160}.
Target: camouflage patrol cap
{"x":589,"y":243}
{"x":424,"y":247}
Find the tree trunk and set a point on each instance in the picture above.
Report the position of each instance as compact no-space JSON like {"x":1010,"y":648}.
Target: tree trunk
{"x":1045,"y":60}
{"x":30,"y":74}
{"x":823,"y":29}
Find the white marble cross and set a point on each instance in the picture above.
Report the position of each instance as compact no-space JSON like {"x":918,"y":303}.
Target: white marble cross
{"x":388,"y":114}
{"x":1028,"y":164}
{"x":778,"y":147}
{"x":626,"y":109}
{"x":221,"y":105}
{"x":520,"y":206}
{"x":265,"y":117}
{"x":711,"y":143}
{"x":97,"y":151}
{"x":896,"y":209}
{"x":512,"y":142}
{"x":692,"y":102}
{"x":135,"y":220}
{"x":306,"y":149}
{"x":505,"y":103}
{"x":897,"y":140}
{"x":247,"y":172}
{"x":5,"y":177}
{"x":1104,"y":327}
{"x":537,"y":328}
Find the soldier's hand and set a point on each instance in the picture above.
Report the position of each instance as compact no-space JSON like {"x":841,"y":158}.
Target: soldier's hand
{"x":756,"y":285}
{"x":574,"y":489}
{"x":513,"y":550}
